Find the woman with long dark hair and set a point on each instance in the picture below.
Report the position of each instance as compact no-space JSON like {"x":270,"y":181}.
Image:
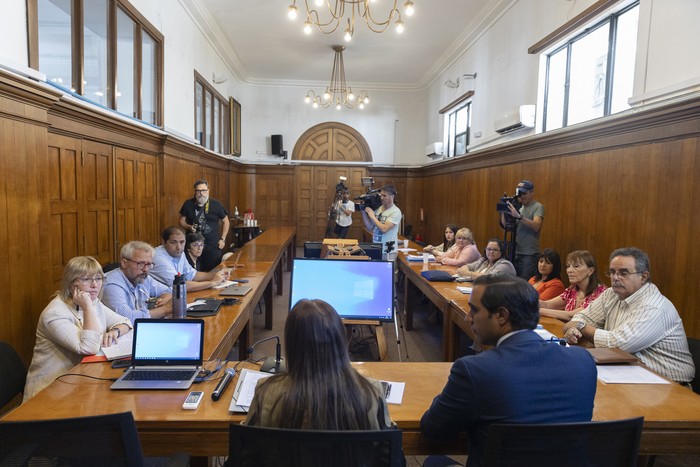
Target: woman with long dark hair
{"x":321,"y":390}
{"x":547,"y":279}
{"x":447,"y":242}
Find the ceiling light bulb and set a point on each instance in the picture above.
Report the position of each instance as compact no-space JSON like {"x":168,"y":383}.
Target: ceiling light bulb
{"x":326,"y":95}
{"x":348,"y":35}
{"x":292,"y":12}
{"x":409,"y":7}
{"x":362,"y":105}
{"x":366,"y":100}
{"x":399,"y":26}
{"x":315,"y":104}
{"x":337,"y":106}
{"x":307,"y":99}
{"x":307,"y":27}
{"x":351,"y":96}
{"x":318,"y":2}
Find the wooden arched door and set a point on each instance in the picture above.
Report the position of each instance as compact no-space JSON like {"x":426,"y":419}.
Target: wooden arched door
{"x":330,"y":141}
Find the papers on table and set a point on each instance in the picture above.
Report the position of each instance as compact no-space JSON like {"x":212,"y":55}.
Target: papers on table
{"x":393,"y":391}
{"x":628,"y":374}
{"x":464,"y":289}
{"x":248,"y":379}
{"x":544,"y":334}
{"x":245,"y":389}
{"x":407,"y":250}
{"x":121,"y":349}
{"x":419,"y":257}
{"x":225,"y":284}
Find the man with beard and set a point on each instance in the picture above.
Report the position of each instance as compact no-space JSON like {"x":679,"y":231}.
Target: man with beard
{"x":203,"y":214}
{"x":129,"y":290}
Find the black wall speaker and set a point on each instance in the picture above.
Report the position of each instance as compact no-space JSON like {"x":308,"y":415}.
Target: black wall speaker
{"x":276,"y":144}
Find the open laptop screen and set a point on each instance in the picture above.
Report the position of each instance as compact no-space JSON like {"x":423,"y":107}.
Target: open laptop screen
{"x":356,"y":289}
{"x":168,"y":341}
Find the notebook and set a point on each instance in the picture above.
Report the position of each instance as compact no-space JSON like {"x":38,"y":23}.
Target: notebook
{"x":236,"y":290}
{"x":167,"y":354}
{"x":205,"y":307}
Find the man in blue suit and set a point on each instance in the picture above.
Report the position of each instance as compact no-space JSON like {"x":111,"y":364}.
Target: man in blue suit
{"x":524,"y":379}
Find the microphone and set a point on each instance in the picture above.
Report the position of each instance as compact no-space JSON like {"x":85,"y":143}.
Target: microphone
{"x":271,"y":364}
{"x":221,"y":387}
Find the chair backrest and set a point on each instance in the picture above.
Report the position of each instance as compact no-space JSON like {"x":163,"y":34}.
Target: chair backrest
{"x":589,"y":444}
{"x":267,"y":447}
{"x":13,"y":374}
{"x":694,"y":346}
{"x":110,"y":267}
{"x":104,"y":440}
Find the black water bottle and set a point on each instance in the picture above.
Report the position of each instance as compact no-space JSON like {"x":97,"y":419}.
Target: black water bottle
{"x":179,"y":297}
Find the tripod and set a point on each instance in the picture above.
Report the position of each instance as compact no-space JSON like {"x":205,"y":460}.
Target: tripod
{"x":510,"y":231}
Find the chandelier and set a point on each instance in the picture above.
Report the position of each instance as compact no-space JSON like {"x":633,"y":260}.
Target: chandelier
{"x":328,"y":21}
{"x":338,"y":93}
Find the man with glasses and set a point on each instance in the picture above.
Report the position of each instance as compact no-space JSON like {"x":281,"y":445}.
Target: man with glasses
{"x":634,"y":316}
{"x":170,"y":260}
{"x":130,"y":291}
{"x":203,"y":214}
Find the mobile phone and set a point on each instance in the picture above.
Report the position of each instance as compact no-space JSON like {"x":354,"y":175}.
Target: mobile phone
{"x":194,"y":398}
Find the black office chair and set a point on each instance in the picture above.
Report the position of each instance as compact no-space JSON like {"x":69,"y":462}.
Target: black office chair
{"x":694,"y":346}
{"x":13,"y":374}
{"x":110,"y":267}
{"x":105,"y":440}
{"x":587,"y":444}
{"x":275,"y":447}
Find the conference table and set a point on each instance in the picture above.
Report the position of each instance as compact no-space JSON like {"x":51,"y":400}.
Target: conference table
{"x":671,"y":412}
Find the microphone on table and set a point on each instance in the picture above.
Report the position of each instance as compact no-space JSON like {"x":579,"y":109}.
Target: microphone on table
{"x":271,"y":364}
{"x":221,"y":387}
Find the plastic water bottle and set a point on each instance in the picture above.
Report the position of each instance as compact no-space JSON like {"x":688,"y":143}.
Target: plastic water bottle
{"x":179,"y":297}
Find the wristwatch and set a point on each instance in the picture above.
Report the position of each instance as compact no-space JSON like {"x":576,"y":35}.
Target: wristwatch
{"x":580,"y":325}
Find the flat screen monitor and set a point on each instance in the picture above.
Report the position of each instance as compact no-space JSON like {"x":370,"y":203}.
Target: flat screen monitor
{"x":357,"y":289}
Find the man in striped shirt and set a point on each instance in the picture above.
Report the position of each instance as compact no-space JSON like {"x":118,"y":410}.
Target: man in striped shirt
{"x":634,"y":316}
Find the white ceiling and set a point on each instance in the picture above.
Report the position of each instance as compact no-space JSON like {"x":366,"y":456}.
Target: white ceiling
{"x":265,"y":47}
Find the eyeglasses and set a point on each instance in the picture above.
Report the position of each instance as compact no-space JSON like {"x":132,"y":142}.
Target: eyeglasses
{"x":622,"y":273}
{"x":90,"y":280}
{"x":201,"y":191}
{"x":493,"y":250}
{"x":197,"y":245}
{"x":141,"y":264}
{"x":461,"y":238}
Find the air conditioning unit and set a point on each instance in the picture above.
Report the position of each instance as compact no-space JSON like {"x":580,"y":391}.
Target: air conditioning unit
{"x":434,"y":149}
{"x":522,"y":117}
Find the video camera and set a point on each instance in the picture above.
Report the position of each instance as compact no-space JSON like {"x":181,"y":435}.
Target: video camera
{"x":371,"y":199}
{"x":510,"y":222}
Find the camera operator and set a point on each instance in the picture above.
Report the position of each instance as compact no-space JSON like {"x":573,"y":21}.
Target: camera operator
{"x":384,"y":222}
{"x":529,"y":218}
{"x":345,"y":208}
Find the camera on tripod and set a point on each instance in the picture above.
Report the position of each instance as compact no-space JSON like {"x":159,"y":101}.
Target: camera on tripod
{"x":371,"y":199}
{"x":509,"y":222}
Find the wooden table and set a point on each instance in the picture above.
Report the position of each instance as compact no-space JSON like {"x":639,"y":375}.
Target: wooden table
{"x":671,"y":412}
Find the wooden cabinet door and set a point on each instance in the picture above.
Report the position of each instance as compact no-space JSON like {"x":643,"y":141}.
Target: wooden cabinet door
{"x":135,"y":197}
{"x":97,"y":215}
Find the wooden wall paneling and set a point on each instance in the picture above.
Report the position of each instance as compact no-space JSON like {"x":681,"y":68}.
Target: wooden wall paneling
{"x":324,"y":181}
{"x":304,"y":203}
{"x":97,"y":207}
{"x":354,"y":176}
{"x":64,"y":179}
{"x":147,"y":220}
{"x":178,"y":178}
{"x":275,"y":196}
{"x":126,"y":196}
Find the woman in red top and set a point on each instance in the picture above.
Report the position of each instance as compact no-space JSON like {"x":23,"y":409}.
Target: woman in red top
{"x":547,"y":280}
{"x":585,"y":287}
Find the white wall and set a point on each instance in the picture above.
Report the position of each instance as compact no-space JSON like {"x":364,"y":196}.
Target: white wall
{"x":398,"y":125}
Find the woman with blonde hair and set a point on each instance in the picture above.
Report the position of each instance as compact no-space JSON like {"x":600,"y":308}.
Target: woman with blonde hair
{"x":74,"y":324}
{"x":464,"y":250}
{"x":585,"y":287}
{"x":321,"y":390}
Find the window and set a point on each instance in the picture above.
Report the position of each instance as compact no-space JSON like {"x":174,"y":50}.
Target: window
{"x":103,"y":50}
{"x":591,"y":75}
{"x":212,"y":126}
{"x":457,"y":124}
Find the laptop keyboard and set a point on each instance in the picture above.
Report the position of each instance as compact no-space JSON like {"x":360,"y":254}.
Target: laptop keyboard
{"x":160,"y":375}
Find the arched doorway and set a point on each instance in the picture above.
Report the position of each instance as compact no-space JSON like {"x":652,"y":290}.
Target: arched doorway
{"x":329,"y":141}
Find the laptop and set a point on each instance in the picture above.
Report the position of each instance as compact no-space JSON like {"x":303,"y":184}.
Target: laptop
{"x":166,"y":354}
{"x":204,"y":307}
{"x":236,"y":290}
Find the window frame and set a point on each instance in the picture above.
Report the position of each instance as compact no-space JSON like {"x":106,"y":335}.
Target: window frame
{"x":222,"y":144}
{"x":611,"y":20}
{"x":450,"y":112}
{"x":143,"y":26}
